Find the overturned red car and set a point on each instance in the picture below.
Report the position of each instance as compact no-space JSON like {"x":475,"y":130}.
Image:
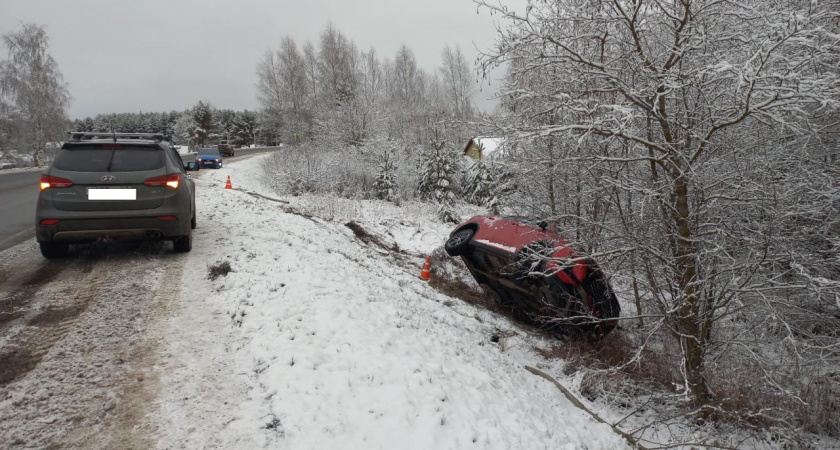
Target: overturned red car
{"x":530,"y":266}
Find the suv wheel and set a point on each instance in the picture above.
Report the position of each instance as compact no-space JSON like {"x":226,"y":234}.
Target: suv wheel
{"x":183,"y":244}
{"x":52,"y":250}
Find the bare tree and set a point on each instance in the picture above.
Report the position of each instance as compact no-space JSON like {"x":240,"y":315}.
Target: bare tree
{"x":338,"y":58}
{"x":270,"y":93}
{"x":458,"y":82}
{"x":34,"y":86}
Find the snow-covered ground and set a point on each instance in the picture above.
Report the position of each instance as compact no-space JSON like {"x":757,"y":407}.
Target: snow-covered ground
{"x":317,"y":340}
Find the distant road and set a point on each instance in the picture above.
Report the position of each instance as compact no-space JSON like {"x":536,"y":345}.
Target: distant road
{"x":19,"y":192}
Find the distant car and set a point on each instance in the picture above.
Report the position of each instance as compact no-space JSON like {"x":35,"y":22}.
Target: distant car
{"x":530,"y":266}
{"x":209,"y":157}
{"x":115,"y":186}
{"x":225,"y":149}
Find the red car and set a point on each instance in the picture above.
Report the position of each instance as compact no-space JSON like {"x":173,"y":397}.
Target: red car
{"x":529,"y":265}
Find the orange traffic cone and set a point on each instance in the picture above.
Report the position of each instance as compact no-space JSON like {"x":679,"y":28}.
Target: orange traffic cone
{"x":228,"y":185}
{"x":425,"y":273}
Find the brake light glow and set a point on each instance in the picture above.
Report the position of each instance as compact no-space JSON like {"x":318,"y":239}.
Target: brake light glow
{"x":171,"y":180}
{"x":47,"y":182}
{"x":49,"y":221}
{"x":168,"y":218}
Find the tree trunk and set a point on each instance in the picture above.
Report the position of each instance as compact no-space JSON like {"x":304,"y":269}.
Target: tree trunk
{"x":38,"y":142}
{"x":690,"y":333}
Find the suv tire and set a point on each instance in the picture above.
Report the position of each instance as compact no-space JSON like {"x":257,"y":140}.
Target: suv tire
{"x":53,"y":250}
{"x":183,"y":244}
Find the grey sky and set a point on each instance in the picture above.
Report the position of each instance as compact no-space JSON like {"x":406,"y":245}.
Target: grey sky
{"x":160,"y":55}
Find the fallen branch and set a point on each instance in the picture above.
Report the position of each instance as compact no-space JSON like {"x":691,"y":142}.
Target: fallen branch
{"x":630,"y":439}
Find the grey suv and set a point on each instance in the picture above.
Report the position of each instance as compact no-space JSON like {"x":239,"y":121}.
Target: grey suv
{"x":115,"y":186}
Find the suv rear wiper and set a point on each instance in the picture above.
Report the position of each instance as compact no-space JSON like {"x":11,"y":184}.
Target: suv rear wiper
{"x":111,"y":161}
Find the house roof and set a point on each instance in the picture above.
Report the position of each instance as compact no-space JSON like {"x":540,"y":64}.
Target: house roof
{"x":490,"y":144}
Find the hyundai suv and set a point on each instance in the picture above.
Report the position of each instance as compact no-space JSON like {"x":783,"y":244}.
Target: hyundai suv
{"x":104,"y":186}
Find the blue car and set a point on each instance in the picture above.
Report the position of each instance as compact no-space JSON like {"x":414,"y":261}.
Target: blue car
{"x":209,"y":157}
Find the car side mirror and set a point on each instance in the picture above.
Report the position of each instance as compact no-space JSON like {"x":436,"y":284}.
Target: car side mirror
{"x":192,"y":166}
{"x":543,"y":225}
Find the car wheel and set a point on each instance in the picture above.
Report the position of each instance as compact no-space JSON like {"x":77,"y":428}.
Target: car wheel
{"x":458,"y":244}
{"x":193,"y":222}
{"x":53,"y":250}
{"x":183,"y":244}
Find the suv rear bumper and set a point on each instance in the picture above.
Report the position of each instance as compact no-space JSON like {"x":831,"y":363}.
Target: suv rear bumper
{"x":85,"y":230}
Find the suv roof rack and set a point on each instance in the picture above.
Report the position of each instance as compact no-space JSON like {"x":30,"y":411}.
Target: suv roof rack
{"x":88,"y":135}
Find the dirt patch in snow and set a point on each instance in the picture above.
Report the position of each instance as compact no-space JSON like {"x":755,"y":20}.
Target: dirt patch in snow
{"x":371,"y":238}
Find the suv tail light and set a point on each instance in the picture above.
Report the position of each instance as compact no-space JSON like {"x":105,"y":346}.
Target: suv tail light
{"x":54,"y":182}
{"x":171,"y":180}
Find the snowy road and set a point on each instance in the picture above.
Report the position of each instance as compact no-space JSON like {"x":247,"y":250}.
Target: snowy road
{"x":316,"y":339}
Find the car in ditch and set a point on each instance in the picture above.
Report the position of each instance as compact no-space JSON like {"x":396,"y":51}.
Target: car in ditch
{"x":108,"y":186}
{"x":531,"y":267}
{"x":209,"y":157}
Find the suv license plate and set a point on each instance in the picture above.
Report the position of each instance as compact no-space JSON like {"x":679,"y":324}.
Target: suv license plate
{"x":112,"y":194}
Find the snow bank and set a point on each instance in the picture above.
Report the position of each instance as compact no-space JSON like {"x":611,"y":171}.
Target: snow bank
{"x":323,"y":341}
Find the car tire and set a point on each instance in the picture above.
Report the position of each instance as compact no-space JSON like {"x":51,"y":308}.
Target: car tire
{"x":193,"y":222}
{"x":183,"y":244}
{"x":459,"y":243}
{"x":53,"y":250}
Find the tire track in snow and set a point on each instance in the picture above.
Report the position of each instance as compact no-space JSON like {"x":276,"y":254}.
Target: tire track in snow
{"x":85,"y":351}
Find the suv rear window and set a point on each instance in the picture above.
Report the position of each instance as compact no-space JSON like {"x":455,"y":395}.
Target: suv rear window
{"x":98,"y":159}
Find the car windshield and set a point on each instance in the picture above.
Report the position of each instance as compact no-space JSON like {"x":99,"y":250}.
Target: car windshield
{"x":98,"y":159}
{"x":208,"y":151}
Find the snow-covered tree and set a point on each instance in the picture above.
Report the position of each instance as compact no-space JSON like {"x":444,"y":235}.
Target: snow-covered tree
{"x":457,"y":84}
{"x":32,"y":88}
{"x":204,"y":118}
{"x":184,"y":128}
{"x":438,"y":174}
{"x":244,"y":128}
{"x":385,"y":183}
{"x":480,"y":186}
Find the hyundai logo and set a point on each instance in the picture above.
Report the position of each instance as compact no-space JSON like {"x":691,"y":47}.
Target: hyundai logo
{"x":109,"y":178}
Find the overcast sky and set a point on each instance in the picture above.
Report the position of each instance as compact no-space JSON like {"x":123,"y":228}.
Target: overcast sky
{"x":160,"y":55}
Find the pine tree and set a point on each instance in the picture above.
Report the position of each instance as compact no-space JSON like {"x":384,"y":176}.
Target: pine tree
{"x":244,"y":128}
{"x":204,"y":117}
{"x":386,"y":180}
{"x":439,"y":170}
{"x":481,"y":187}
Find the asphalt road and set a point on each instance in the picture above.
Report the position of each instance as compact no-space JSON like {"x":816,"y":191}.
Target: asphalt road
{"x":19,"y":193}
